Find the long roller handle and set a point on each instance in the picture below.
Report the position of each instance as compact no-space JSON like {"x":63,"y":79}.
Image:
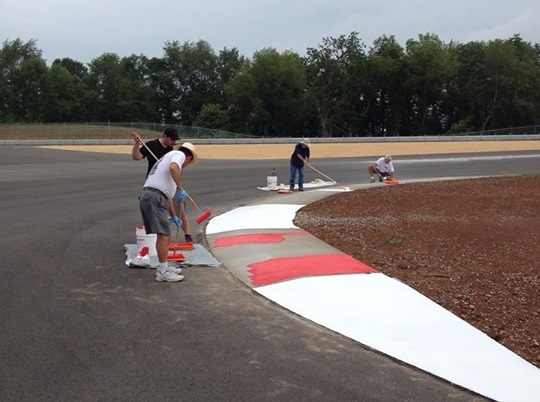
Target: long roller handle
{"x":192,"y":201}
{"x":146,"y":146}
{"x":322,"y":174}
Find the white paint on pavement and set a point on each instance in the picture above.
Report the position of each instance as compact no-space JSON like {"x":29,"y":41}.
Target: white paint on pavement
{"x":393,"y":318}
{"x":460,"y":159}
{"x":264,"y":216}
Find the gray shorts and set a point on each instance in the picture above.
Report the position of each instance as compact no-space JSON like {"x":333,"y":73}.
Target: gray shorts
{"x":155,"y":212}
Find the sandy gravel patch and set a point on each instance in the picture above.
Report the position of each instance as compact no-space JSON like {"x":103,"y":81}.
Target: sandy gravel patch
{"x":283,"y":151}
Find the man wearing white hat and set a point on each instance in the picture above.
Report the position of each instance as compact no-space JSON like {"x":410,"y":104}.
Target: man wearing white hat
{"x":163,"y":184}
{"x":153,"y":150}
{"x":299,"y":158}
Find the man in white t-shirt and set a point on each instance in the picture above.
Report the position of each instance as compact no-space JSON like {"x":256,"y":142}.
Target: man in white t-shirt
{"x":156,"y":203}
{"x":383,"y":168}
{"x":153,"y":150}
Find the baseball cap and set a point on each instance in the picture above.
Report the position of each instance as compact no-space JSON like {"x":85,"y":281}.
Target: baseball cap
{"x":172,"y":133}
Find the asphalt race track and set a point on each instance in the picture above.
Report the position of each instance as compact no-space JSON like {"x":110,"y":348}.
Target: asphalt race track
{"x":77,"y":325}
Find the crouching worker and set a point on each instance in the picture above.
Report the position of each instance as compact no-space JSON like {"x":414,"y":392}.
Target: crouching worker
{"x":164,"y":182}
{"x":383,"y":168}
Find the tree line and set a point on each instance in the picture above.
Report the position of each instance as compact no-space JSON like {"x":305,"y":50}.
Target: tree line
{"x":341,"y":88}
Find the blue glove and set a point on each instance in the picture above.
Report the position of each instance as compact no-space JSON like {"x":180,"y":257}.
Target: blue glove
{"x":182,"y":196}
{"x":177,"y":221}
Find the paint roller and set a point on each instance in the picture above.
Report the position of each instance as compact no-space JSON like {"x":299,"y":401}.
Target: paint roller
{"x":201,"y":218}
{"x":205,"y":215}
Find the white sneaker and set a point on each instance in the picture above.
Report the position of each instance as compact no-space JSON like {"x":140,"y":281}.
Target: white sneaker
{"x":372,"y":179}
{"x":168,"y":277}
{"x":174,"y":270}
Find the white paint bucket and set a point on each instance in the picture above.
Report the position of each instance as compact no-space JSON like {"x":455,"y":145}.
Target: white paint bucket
{"x":146,"y":240}
{"x":271,"y":181}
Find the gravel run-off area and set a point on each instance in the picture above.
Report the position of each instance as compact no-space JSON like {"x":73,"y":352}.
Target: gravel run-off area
{"x":469,"y":245}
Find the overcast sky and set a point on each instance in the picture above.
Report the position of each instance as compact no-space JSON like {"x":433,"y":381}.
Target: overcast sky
{"x":85,"y":29}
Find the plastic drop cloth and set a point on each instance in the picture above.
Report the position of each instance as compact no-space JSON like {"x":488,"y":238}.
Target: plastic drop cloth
{"x":198,"y":257}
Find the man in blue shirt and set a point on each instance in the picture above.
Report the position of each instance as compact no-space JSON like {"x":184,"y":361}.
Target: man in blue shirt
{"x":299,"y":158}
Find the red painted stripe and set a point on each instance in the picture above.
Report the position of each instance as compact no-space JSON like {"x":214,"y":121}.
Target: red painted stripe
{"x":260,"y":238}
{"x":280,"y":269}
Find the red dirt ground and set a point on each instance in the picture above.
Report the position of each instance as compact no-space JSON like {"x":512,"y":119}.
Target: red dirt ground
{"x":469,"y":245}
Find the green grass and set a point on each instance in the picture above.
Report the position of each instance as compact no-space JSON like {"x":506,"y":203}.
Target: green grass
{"x":72,"y":131}
{"x":103,"y":131}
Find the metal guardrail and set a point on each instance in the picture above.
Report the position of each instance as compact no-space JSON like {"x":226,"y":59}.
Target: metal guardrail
{"x":239,"y":141}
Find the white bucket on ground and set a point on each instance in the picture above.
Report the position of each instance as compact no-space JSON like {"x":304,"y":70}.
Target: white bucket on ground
{"x":146,"y":240}
{"x":271,"y":181}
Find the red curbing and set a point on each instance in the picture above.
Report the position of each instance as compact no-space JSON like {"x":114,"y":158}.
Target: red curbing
{"x":261,"y":238}
{"x":280,"y":269}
